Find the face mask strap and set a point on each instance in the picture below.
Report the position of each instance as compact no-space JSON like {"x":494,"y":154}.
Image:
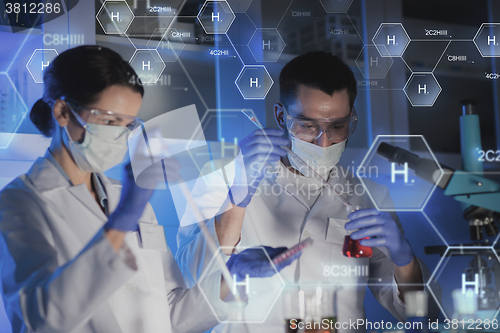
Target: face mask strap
{"x":79,"y":119}
{"x":69,"y":139}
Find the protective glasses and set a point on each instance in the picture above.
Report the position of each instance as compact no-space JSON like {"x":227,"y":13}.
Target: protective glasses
{"x":311,"y":129}
{"x":99,"y":117}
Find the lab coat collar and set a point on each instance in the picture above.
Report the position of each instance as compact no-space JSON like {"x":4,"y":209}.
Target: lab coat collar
{"x":81,"y":193}
{"x":113,"y":191}
{"x":51,"y":182}
{"x":48,"y":155}
{"x":101,"y":192}
{"x":45,"y":176}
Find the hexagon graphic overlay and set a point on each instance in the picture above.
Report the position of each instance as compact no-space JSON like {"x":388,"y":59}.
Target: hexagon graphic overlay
{"x":407,"y":191}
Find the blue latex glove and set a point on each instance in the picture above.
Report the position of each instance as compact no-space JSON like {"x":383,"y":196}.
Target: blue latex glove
{"x":259,"y":149}
{"x":383,"y":231}
{"x":254,"y":262}
{"x":133,"y":200}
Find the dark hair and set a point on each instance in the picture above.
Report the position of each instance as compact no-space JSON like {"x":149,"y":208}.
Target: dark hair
{"x":319,"y":70}
{"x":81,"y":74}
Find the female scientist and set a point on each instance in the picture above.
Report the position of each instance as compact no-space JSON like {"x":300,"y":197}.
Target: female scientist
{"x":72,"y":259}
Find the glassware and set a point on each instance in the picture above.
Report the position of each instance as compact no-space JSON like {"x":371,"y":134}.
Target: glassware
{"x":352,"y":248}
{"x":291,"y":252}
{"x":310,"y":310}
{"x":465,"y":309}
{"x":321,"y":310}
{"x":416,"y":311}
{"x":293,"y":308}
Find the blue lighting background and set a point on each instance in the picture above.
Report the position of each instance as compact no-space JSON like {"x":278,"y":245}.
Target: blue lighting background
{"x":199,"y":77}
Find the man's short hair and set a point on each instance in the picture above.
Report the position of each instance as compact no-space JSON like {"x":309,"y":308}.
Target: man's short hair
{"x":319,"y":70}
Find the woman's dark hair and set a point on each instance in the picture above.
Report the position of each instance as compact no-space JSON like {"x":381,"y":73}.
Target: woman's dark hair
{"x":81,"y":74}
{"x":319,"y":70}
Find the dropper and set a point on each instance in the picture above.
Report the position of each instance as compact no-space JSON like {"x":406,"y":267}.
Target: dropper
{"x":342,"y":199}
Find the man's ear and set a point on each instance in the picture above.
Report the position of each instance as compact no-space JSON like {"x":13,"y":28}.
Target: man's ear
{"x":279,"y":115}
{"x":61,"y":112}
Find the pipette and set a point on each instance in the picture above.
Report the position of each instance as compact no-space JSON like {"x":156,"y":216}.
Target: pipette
{"x":342,"y":199}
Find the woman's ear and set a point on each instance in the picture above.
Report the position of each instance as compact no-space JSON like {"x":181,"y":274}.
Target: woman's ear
{"x":61,"y":112}
{"x":279,"y":115}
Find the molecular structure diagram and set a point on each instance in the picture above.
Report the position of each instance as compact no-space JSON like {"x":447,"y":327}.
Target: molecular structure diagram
{"x":266,"y":45}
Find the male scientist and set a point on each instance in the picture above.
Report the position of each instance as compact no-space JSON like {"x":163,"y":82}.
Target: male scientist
{"x":286,"y":203}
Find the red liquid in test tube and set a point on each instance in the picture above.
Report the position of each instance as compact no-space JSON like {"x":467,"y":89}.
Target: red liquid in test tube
{"x":293,"y":250}
{"x":352,"y":248}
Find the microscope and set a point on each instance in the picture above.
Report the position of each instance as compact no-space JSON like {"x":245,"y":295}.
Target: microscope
{"x":480,"y":200}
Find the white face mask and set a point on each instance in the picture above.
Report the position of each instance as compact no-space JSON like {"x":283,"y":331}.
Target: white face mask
{"x":320,"y":159}
{"x":100,"y":149}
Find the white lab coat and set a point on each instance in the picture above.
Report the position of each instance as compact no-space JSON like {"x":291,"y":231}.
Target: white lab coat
{"x":279,"y":216}
{"x":61,"y":274}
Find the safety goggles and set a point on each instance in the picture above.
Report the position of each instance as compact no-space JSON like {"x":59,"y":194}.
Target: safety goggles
{"x":99,"y":117}
{"x":311,"y":129}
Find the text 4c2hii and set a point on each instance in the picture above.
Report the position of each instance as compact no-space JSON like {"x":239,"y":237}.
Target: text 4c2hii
{"x":492,"y":76}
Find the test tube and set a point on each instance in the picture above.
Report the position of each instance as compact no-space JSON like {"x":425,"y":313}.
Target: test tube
{"x":293,"y":308}
{"x":352,"y":248}
{"x":293,"y":250}
{"x":319,"y":308}
{"x":327,"y":312}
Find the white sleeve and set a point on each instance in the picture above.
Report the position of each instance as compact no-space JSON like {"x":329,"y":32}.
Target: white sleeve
{"x":194,"y":309}
{"x":37,"y":291}
{"x":193,"y":253}
{"x":199,"y":308}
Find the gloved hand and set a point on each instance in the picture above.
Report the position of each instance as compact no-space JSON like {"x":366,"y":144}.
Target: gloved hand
{"x":383,"y":231}
{"x":133,"y":200}
{"x":259,"y":149}
{"x":254,"y":262}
